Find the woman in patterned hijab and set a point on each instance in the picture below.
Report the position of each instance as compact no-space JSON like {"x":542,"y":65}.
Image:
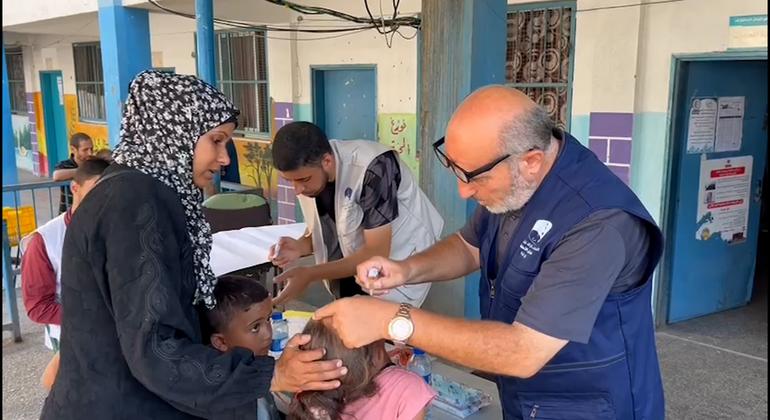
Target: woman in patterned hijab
{"x":165,"y":123}
{"x":136,"y":258}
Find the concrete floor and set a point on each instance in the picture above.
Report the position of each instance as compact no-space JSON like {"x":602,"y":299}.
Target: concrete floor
{"x":23,"y":363}
{"x":715,"y":367}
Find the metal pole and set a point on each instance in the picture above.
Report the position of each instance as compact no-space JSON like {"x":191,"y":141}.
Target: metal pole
{"x":10,"y":288}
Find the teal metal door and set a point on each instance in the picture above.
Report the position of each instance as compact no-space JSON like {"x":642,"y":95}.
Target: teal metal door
{"x":52,"y":89}
{"x":716,"y":190}
{"x":344,"y":104}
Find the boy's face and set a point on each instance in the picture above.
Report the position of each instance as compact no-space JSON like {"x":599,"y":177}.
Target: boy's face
{"x":249,"y":329}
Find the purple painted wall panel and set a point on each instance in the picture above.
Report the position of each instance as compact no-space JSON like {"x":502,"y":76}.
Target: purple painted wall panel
{"x":611,"y":124}
{"x":620,"y":152}
{"x":609,"y":137}
{"x":599,"y":147}
{"x":284,"y":114}
{"x":33,"y":134}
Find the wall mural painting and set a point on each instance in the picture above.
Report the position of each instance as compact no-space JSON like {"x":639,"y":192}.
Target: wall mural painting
{"x":255,"y":166}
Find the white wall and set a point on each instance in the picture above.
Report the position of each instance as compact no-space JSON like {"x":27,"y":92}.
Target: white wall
{"x":605,"y":57}
{"x":172,"y":42}
{"x":291,"y":61}
{"x":676,"y":28}
{"x":396,"y":66}
{"x":47,"y":52}
{"x":617,"y":46}
{"x":258,"y":11}
{"x":16,"y":12}
{"x":281,"y":67}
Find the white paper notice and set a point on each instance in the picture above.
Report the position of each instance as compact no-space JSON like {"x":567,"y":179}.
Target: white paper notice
{"x":729,"y":124}
{"x":723,"y":198}
{"x":702,"y":125}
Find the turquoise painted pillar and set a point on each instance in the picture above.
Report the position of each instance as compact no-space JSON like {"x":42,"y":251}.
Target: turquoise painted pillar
{"x":207,"y":71}
{"x":462,"y":48}
{"x":204,"y":19}
{"x":10,"y":176}
{"x":488,"y":36}
{"x":125,"y":43}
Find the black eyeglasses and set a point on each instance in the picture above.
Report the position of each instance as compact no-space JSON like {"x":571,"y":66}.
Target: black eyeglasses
{"x":460,"y":173}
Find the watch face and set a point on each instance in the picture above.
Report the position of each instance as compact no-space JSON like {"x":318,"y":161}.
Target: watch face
{"x":401,"y":328}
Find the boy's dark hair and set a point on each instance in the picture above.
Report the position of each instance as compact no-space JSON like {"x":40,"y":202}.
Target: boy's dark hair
{"x":105,"y":154}
{"x":299,"y":144}
{"x":233,"y":293}
{"x":92,"y":167}
{"x":77,"y":138}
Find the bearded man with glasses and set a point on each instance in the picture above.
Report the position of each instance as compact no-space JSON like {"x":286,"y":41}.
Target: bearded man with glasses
{"x":566,"y":253}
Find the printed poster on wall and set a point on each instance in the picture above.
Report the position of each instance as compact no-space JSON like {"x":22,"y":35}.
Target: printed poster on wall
{"x":701,"y":128}
{"x":723,"y":198}
{"x":729,"y":123}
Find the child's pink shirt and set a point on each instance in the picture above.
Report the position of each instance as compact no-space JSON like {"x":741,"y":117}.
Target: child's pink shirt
{"x":401,"y":394}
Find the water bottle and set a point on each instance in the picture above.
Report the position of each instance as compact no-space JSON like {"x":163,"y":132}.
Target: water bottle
{"x":280,"y":334}
{"x":421,"y":365}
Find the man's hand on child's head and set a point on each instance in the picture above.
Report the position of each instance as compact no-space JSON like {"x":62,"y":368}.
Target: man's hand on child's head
{"x":345,"y":316}
{"x":303,"y":370}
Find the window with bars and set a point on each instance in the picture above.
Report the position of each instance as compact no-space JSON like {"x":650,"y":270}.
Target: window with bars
{"x":540,"y":53}
{"x":242,"y":76}
{"x":89,"y":82}
{"x":17,"y":92}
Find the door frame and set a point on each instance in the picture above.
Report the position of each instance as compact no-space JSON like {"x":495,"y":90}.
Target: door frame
{"x":662,"y":297}
{"x":53,"y":147}
{"x":317,"y":91}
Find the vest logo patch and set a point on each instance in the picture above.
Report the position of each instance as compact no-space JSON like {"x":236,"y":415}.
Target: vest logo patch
{"x":539,"y":230}
{"x":531,"y":245}
{"x":348,"y":193}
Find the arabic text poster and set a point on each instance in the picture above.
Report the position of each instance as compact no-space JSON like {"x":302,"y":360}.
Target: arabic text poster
{"x":702,"y":125}
{"x":399,"y":132}
{"x":729,"y":133}
{"x":723,"y":198}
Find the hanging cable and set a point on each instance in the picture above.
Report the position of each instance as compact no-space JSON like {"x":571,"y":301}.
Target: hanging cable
{"x":244,"y":25}
{"x":390,"y":26}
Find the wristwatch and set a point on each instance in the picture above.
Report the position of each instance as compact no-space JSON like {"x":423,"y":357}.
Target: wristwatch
{"x":401,"y":327}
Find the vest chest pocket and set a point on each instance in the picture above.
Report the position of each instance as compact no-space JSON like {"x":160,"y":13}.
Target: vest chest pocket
{"x":567,"y":406}
{"x":349,"y":220}
{"x":511,"y":288}
{"x":515,"y":282}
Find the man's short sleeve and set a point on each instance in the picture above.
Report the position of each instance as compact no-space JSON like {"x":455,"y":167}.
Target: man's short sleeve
{"x":572,"y":285}
{"x":470,"y":232}
{"x":379,"y":196}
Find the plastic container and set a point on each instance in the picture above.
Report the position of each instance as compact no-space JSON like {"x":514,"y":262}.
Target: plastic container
{"x":280,"y":334}
{"x":421,"y":365}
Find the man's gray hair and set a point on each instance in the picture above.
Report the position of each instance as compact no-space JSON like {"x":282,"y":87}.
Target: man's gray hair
{"x":530,"y":130}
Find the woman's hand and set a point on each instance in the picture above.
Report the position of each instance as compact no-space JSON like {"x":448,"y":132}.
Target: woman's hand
{"x":303,"y":370}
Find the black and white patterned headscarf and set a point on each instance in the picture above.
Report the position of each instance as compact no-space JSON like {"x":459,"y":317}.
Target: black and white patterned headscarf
{"x":163,"y":118}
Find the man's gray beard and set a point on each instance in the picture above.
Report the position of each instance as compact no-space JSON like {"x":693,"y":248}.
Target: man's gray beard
{"x":521,"y":192}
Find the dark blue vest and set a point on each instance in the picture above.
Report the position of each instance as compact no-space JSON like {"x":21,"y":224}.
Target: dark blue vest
{"x":616,"y":374}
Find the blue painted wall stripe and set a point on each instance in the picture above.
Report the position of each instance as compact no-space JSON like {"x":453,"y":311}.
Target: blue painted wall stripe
{"x":10,"y":176}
